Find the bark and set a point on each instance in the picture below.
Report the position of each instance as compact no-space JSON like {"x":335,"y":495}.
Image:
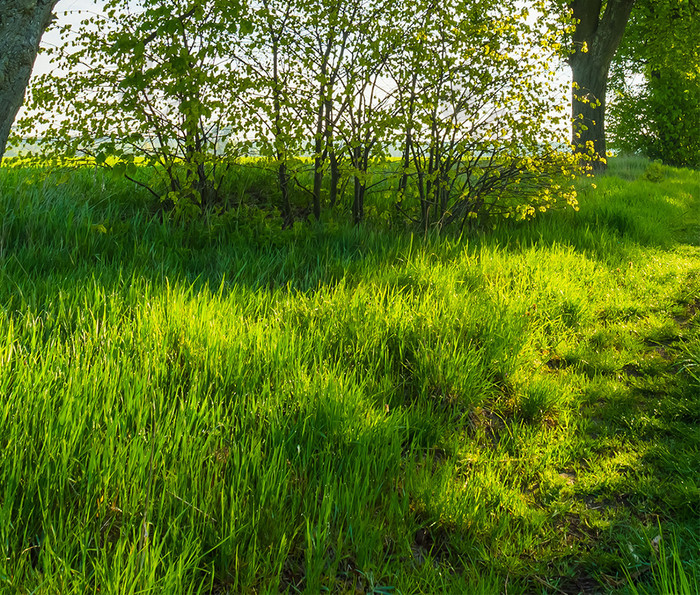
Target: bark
{"x":330,"y":149}
{"x":22,"y":23}
{"x":319,"y":158}
{"x":280,"y":154}
{"x":318,"y":168}
{"x":601,"y":36}
{"x":335,"y":177}
{"x":408,"y":138}
{"x":360,"y":159}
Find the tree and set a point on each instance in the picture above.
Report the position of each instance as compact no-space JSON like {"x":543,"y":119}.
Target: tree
{"x":599,"y":30}
{"x":655,"y":108}
{"x":22,"y":24}
{"x":478,"y":124}
{"x":367,"y":120}
{"x":465,"y":93}
{"x":264,"y":56}
{"x":149,"y":83}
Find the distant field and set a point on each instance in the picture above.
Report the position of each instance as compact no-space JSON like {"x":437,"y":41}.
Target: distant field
{"x":226,"y":407}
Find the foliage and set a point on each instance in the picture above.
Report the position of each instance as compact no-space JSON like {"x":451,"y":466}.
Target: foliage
{"x":654,"y":172}
{"x":477,"y":134}
{"x":196,"y":408}
{"x":145,"y":84}
{"x":465,"y":93}
{"x":655,"y":108}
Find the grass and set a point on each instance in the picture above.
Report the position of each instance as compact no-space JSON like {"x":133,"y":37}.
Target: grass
{"x":228,"y":408}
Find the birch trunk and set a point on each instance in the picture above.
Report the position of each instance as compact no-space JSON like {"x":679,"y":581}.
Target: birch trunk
{"x":22,"y":23}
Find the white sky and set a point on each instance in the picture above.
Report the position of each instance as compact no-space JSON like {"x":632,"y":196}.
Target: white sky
{"x":67,"y":11}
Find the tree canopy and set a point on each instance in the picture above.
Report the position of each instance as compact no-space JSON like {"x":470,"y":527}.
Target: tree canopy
{"x":655,"y":79}
{"x":251,"y":59}
{"x":465,"y":93}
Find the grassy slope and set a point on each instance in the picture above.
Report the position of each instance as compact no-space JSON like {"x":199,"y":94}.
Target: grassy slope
{"x":228,"y":409}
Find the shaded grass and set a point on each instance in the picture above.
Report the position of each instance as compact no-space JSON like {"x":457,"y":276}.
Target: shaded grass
{"x":225,"y":407}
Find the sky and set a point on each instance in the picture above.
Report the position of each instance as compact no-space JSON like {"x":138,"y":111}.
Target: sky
{"x":67,"y":11}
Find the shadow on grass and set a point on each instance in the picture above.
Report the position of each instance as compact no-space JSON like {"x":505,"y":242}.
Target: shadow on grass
{"x":634,"y":464}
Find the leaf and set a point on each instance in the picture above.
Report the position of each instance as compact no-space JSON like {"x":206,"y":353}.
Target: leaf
{"x":119,"y":169}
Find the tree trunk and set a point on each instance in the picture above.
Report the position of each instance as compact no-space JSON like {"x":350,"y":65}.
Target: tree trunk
{"x":358,"y":203}
{"x":335,"y":177}
{"x":588,"y":110}
{"x":330,"y":148}
{"x":596,"y":40}
{"x":318,"y":161}
{"x":280,"y":145}
{"x":22,"y":23}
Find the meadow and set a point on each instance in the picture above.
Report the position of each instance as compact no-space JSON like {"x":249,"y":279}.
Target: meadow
{"x":223,"y":406}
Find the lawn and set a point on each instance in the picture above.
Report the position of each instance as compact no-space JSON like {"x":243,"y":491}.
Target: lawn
{"x":225,"y":407}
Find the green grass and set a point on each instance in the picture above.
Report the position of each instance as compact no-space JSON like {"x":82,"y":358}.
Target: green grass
{"x":228,"y":408}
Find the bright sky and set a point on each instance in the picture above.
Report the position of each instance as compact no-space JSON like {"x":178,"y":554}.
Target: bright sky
{"x":67,"y":11}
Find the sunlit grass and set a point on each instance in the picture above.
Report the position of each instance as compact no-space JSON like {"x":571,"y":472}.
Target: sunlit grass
{"x":227,"y":407}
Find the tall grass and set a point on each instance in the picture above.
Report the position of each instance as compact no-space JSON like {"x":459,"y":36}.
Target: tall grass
{"x":227,"y":407}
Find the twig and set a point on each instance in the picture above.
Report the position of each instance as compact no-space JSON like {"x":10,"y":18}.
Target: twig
{"x":138,"y":183}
